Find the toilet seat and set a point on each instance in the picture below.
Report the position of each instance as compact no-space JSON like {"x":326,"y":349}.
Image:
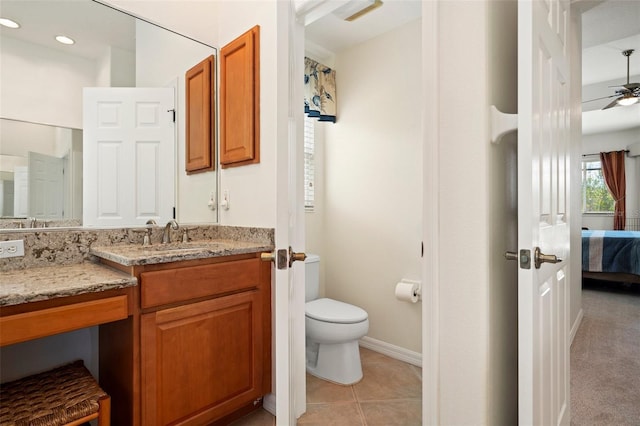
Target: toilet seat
{"x":333,"y":311}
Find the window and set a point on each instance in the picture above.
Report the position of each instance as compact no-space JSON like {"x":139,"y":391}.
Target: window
{"x":309,"y":164}
{"x":595,"y":194}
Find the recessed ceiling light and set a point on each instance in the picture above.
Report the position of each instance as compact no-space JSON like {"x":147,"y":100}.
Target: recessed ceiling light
{"x":6,"y":22}
{"x":64,"y":39}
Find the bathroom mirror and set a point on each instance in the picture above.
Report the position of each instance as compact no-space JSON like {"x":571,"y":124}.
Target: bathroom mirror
{"x":41,"y":97}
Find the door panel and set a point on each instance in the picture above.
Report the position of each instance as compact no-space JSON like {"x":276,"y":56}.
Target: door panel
{"x":543,"y":146}
{"x":46,"y":186}
{"x":129,"y":149}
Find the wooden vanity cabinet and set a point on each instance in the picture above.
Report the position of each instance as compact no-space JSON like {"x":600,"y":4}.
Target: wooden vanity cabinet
{"x":204,"y":340}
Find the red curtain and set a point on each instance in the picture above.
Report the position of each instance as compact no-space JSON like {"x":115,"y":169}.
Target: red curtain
{"x":614,"y":177}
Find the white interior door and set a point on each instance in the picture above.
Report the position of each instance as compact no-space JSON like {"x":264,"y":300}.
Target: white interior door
{"x":46,"y":186}
{"x":129,"y":156}
{"x":543,"y":194}
{"x":290,"y":390}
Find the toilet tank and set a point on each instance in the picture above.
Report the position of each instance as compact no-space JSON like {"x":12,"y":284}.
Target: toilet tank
{"x":311,"y":277}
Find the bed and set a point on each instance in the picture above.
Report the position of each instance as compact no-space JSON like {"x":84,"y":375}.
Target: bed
{"x":611,"y":255}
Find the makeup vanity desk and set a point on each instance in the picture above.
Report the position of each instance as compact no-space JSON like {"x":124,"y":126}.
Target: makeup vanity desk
{"x":39,"y":302}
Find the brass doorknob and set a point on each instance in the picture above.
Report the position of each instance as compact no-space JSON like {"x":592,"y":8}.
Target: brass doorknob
{"x":511,"y":255}
{"x":293,"y":256}
{"x":268,"y":257}
{"x":539,"y":258}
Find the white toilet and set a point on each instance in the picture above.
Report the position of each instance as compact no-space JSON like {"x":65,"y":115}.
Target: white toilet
{"x":332,"y":332}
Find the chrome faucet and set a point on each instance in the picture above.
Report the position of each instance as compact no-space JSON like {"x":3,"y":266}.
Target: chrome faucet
{"x":166,"y":235}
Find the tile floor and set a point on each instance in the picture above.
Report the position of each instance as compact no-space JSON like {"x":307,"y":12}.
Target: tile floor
{"x":390,"y":393}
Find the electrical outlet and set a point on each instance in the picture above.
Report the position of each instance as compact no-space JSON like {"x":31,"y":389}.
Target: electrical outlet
{"x":13,"y":248}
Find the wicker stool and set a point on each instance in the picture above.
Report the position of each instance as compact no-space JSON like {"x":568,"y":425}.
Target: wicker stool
{"x":66,"y":395}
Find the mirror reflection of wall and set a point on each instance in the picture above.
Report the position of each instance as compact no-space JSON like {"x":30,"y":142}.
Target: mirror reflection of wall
{"x":42,"y":82}
{"x":41,"y":167}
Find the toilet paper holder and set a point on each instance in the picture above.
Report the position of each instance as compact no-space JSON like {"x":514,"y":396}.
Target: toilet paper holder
{"x":409,"y":290}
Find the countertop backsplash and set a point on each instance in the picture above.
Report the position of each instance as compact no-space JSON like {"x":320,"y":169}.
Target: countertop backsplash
{"x":58,"y":246}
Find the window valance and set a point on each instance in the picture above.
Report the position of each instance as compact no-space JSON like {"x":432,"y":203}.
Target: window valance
{"x":319,"y":91}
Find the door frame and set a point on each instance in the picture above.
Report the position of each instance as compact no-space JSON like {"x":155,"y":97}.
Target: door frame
{"x":430,"y":217}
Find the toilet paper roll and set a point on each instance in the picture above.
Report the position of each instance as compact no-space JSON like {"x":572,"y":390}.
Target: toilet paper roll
{"x":407,"y":292}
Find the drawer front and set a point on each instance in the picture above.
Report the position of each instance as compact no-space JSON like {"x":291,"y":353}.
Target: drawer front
{"x":182,"y":284}
{"x":45,"y":322}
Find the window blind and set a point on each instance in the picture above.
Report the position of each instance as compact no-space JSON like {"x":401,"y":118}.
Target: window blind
{"x":309,"y":165}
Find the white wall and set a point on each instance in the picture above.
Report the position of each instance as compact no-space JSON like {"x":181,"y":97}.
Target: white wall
{"x":615,"y":141}
{"x":463,"y":171}
{"x":18,"y":138}
{"x":58,"y":75}
{"x":252,"y":188}
{"x":369,"y":238}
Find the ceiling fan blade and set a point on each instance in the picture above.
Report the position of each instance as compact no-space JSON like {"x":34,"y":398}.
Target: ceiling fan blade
{"x":612,"y":104}
{"x":597,"y":99}
{"x":632,"y":86}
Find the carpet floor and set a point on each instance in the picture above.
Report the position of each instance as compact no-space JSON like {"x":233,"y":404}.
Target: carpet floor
{"x":605,"y":356}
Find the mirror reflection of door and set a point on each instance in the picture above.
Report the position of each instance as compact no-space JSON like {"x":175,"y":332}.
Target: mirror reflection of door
{"x":46,"y":191}
{"x":129,"y":156}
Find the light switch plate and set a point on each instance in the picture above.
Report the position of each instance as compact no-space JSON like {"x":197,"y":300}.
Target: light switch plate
{"x":14,"y":248}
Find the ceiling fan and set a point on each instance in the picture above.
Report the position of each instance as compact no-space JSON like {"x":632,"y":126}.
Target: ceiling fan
{"x":629,"y":93}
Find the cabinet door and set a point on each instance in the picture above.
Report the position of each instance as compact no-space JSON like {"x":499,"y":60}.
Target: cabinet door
{"x":240,"y":100}
{"x":200,"y":117}
{"x":203,"y":360}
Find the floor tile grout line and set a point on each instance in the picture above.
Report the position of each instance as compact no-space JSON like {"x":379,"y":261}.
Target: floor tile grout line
{"x":370,"y":401}
{"x":363,"y":419}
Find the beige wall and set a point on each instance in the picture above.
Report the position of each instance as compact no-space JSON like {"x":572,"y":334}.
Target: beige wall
{"x":370,"y":232}
{"x":477,"y":215}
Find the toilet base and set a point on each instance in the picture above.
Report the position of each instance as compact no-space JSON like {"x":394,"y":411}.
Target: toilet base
{"x":337,"y":362}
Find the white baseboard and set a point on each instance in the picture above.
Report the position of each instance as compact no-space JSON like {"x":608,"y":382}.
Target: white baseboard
{"x":576,"y":326}
{"x":269,"y":403}
{"x":392,"y":351}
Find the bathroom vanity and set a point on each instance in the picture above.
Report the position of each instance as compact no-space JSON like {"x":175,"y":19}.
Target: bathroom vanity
{"x":199,"y":341}
{"x":184,"y":328}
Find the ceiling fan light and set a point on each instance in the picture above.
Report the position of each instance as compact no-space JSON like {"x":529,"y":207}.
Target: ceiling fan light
{"x":627,"y":100}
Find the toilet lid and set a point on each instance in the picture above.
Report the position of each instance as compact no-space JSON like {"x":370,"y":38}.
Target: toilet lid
{"x":329,"y":310}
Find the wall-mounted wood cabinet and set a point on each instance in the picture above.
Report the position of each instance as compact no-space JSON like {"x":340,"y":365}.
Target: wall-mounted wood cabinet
{"x":240,"y":100}
{"x":200,"y":126}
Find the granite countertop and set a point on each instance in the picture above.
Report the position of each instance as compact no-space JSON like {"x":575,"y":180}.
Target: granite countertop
{"x":49,"y":282}
{"x":129,"y":255}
